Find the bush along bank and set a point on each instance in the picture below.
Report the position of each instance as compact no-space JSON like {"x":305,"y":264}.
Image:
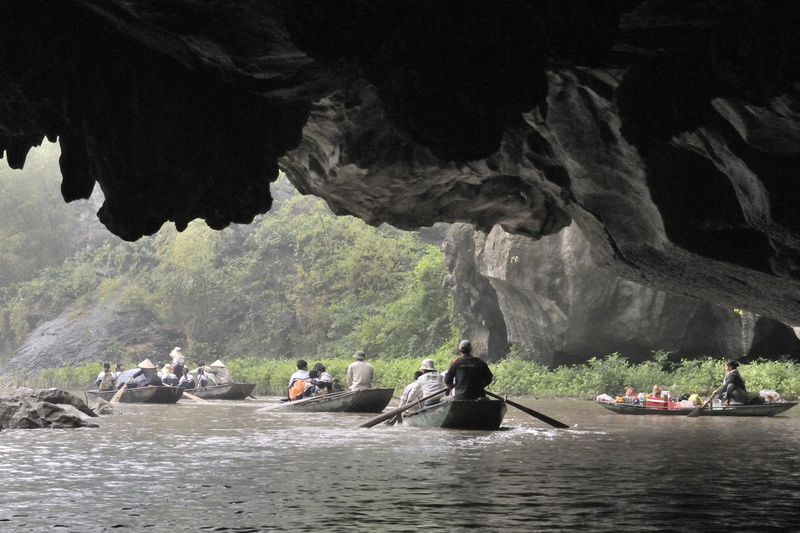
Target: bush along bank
{"x":512,"y":376}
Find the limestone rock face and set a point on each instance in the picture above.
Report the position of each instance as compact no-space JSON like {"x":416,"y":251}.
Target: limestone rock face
{"x":668,"y":132}
{"x":72,"y":339}
{"x":558,"y":307}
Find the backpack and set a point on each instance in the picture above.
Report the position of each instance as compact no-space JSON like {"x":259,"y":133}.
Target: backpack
{"x":297,"y":388}
{"x":108,"y":382}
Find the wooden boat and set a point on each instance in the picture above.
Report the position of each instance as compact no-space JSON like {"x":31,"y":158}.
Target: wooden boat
{"x":767,"y":409}
{"x":360,"y":401}
{"x":232,"y":391}
{"x":160,"y":394}
{"x":459,"y":414}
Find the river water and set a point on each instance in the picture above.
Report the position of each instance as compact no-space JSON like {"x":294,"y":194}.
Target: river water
{"x":240,"y":467}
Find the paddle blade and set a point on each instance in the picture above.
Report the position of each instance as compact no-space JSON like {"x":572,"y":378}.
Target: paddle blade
{"x":544,"y":418}
{"x":195,"y":398}
{"x":697,"y":411}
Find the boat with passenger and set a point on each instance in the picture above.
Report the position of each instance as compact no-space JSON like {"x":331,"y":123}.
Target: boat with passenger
{"x":149,"y":394}
{"x":676,"y":409}
{"x":357,"y":401}
{"x":231,"y":391}
{"x":480,"y":414}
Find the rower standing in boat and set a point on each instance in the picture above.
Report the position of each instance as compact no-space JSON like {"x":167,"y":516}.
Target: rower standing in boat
{"x":359,"y":372}
{"x":468,"y":376}
{"x":178,"y":362}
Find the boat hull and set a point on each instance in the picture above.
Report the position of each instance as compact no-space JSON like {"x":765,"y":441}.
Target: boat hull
{"x":362,"y":401}
{"x":767,"y":409}
{"x":459,"y":414}
{"x":232,"y":391}
{"x":160,"y":394}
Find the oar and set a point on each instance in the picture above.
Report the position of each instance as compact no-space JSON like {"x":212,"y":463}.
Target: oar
{"x":696,"y":411}
{"x":298,"y":402}
{"x":389,"y":414}
{"x":544,"y":418}
{"x":195,"y":398}
{"x":118,"y":394}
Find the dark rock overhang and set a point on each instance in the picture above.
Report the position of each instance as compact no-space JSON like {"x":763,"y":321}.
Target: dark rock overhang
{"x":669,"y":131}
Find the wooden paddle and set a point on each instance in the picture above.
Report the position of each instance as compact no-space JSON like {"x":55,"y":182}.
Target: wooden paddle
{"x":195,"y":398}
{"x":118,"y":394}
{"x":298,"y":402}
{"x":389,"y":414}
{"x":544,"y":418}
{"x":696,"y":411}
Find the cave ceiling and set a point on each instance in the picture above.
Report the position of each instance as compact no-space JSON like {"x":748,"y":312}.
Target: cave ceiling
{"x":668,"y":131}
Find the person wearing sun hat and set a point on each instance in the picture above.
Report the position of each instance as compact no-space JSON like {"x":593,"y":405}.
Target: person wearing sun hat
{"x":430,"y":382}
{"x":148,"y":370}
{"x":359,"y":372}
{"x":178,"y":361}
{"x":221,"y":374}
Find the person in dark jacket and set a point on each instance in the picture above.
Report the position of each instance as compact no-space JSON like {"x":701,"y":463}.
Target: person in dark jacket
{"x":468,"y":376}
{"x":732,"y":388}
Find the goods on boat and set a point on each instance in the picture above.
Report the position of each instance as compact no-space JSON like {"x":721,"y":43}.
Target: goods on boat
{"x":766,"y":409}
{"x":157,"y":394}
{"x":459,"y":414}
{"x":360,"y":401}
{"x":232,"y":391}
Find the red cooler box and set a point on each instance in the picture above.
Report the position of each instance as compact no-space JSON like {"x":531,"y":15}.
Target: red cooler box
{"x":655,"y":403}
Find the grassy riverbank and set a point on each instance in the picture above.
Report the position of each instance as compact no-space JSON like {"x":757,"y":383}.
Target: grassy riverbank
{"x":514,"y":377}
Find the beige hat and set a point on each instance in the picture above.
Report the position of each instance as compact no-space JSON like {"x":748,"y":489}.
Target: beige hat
{"x":177,"y":355}
{"x":359,"y":355}
{"x":218,"y":363}
{"x":147,"y":363}
{"x":427,"y":364}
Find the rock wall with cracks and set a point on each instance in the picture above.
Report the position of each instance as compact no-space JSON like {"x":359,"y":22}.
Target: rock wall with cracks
{"x":667,"y":131}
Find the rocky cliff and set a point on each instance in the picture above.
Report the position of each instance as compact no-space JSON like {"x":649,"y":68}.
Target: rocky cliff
{"x":668,"y":132}
{"x":549,"y":300}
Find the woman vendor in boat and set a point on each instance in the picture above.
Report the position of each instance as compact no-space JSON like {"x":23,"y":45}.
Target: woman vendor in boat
{"x":148,"y":370}
{"x":732,"y":388}
{"x":468,"y":376}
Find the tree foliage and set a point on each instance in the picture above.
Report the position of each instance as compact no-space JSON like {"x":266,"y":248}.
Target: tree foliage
{"x":297,"y":282}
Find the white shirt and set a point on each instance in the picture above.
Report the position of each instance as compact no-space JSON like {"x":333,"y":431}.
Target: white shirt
{"x":427,"y":384}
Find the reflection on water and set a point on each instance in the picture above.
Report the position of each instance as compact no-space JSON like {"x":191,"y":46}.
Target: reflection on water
{"x":236,"y":466}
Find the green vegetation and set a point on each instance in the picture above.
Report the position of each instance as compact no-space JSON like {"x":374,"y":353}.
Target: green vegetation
{"x":512,"y":376}
{"x":299,"y":282}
